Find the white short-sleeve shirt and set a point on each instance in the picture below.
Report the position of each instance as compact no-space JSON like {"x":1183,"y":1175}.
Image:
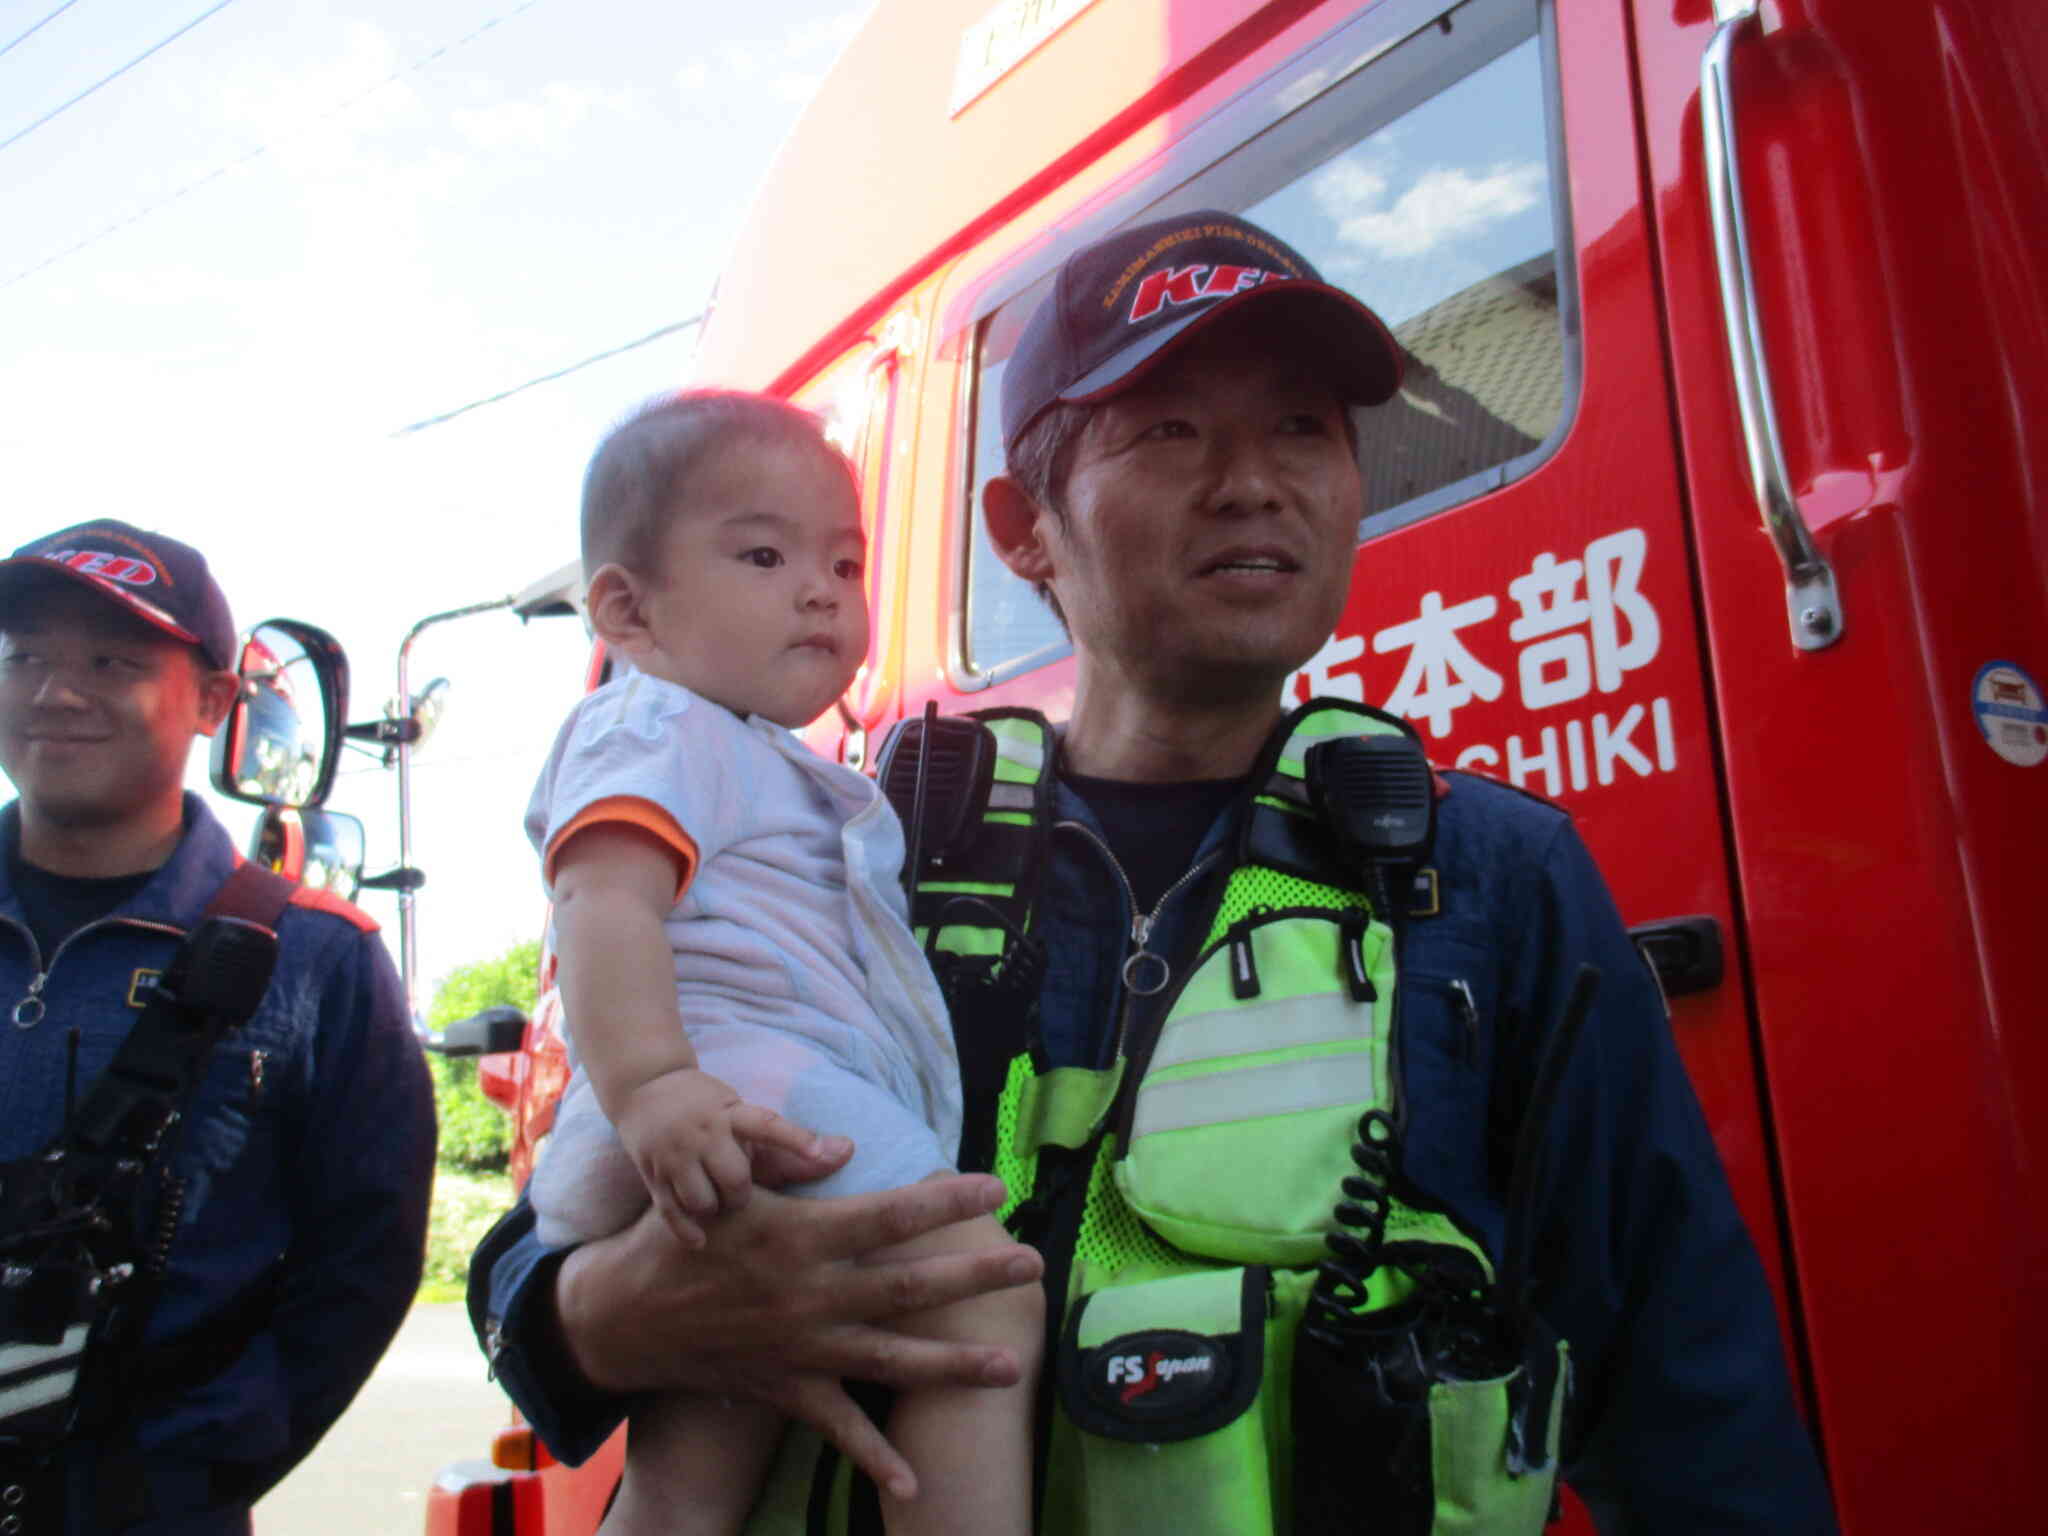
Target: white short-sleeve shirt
{"x":794,"y":917}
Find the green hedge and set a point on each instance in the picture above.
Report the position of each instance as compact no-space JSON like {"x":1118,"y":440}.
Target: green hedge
{"x":476,"y":1135}
{"x":464,"y":1207}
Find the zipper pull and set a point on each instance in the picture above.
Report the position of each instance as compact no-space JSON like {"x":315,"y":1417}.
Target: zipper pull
{"x":1141,"y":928}
{"x":1351,"y":956}
{"x":28,"y":1013}
{"x":256,"y":1060}
{"x":1244,"y":965}
{"x":1468,"y":1015}
{"x":1145,"y":973}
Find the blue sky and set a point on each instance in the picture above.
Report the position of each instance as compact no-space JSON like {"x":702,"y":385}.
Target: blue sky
{"x":329,"y":221}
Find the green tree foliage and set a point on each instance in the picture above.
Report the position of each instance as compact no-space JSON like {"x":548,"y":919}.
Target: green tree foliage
{"x":475,"y":1133}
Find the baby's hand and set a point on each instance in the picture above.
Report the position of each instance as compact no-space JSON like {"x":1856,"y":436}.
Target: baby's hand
{"x":689,"y":1135}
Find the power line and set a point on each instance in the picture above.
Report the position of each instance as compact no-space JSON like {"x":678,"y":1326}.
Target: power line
{"x":549,"y":378}
{"x":37,"y":27}
{"x":263,"y":149}
{"x":56,"y":112}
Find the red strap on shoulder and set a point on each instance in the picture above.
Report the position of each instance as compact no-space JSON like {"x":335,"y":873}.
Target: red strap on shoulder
{"x":327,"y":901}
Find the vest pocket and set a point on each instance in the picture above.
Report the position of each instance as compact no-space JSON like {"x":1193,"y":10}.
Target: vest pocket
{"x":1241,"y":1126}
{"x":1162,"y":1379}
{"x":1428,"y":1457}
{"x":1485,"y":1476}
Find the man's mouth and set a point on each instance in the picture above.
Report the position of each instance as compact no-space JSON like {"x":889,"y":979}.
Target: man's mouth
{"x":1249,"y":561}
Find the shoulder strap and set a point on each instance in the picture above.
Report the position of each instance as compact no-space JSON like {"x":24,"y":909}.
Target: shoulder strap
{"x":980,"y":829}
{"x":99,"y":1243}
{"x":1292,"y":825}
{"x":253,"y":894}
{"x":986,"y":814}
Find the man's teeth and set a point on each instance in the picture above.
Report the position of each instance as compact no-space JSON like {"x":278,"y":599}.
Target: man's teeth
{"x":1247,"y":565}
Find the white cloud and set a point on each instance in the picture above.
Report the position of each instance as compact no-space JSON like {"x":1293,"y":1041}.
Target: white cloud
{"x":1442,"y":205}
{"x":825,"y":34}
{"x":795,"y":85}
{"x":739,"y":62}
{"x":540,"y":120}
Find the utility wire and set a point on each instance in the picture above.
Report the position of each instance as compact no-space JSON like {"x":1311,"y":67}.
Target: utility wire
{"x":263,"y":149}
{"x":32,"y":31}
{"x":56,"y":112}
{"x":549,"y":378}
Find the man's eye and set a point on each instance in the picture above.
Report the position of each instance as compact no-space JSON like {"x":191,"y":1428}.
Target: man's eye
{"x":1305,"y":424}
{"x":765,"y":557}
{"x":848,"y":569}
{"x":1173,"y":428}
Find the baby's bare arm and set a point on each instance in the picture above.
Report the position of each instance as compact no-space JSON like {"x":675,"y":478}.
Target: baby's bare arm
{"x":689,"y":1134}
{"x":614,"y":885}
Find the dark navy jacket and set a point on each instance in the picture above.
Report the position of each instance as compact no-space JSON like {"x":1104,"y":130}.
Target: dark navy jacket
{"x":1684,"y":1420}
{"x":309,"y":1156}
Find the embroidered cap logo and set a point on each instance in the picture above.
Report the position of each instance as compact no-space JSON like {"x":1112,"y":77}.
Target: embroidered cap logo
{"x":126,"y":569}
{"x":1185,"y":285}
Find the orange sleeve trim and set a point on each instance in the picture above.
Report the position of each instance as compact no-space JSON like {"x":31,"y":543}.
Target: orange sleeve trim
{"x":327,"y":901}
{"x":633,"y":812}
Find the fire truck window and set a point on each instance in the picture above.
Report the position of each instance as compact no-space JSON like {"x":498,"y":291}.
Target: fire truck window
{"x":1442,"y":222}
{"x":1443,"y":218}
{"x":1007,"y":624}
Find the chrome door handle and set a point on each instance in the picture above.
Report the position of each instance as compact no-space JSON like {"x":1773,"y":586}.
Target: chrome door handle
{"x":1812,"y":603}
{"x":1685,"y":952}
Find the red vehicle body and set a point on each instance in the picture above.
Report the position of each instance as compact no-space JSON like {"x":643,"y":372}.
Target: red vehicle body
{"x":1568,"y":574}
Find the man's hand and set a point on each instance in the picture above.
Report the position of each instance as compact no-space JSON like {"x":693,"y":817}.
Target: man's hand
{"x":786,"y":1298}
{"x":691,"y":1136}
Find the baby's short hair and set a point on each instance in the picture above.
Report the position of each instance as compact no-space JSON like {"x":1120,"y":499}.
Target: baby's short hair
{"x":645,"y":463}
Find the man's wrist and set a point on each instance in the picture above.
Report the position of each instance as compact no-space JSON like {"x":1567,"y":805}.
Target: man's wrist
{"x":564,"y":1310}
{"x":542,"y":1374}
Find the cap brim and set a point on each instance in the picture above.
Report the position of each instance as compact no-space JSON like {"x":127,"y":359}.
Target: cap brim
{"x":24,"y":569}
{"x":1311,"y":319}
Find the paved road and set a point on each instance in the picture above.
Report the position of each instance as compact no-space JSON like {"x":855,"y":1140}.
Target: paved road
{"x":427,"y":1405}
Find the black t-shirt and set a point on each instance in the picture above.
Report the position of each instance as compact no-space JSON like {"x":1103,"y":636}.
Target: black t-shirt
{"x":1154,"y":829}
{"x":57,"y":906}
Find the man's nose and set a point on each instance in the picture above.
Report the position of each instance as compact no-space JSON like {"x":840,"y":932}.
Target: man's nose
{"x":1247,"y":477}
{"x":60,"y":689}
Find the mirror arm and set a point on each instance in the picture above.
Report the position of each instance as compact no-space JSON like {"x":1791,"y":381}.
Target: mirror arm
{"x":403,"y":879}
{"x":389,"y":732}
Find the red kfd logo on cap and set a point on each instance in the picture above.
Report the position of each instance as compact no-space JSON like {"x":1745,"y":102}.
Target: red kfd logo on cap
{"x":1186,"y":285}
{"x":126,"y":569}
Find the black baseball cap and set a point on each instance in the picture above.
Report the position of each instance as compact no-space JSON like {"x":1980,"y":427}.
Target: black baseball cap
{"x":160,"y":581}
{"x":1117,"y":307}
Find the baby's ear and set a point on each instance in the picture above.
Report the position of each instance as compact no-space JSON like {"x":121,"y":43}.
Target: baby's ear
{"x":613,"y":602}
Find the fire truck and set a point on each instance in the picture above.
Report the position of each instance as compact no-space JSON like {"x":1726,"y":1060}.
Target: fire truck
{"x":1709,"y":508}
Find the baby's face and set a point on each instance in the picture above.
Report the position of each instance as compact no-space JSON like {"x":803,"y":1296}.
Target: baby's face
{"x":760,"y":603}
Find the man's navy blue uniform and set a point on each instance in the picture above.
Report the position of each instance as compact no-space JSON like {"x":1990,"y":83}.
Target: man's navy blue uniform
{"x":308,"y":1156}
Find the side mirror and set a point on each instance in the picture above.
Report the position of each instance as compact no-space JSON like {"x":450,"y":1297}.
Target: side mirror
{"x":428,"y":705}
{"x":320,"y":849}
{"x":282,"y":739}
{"x":502,"y":1028}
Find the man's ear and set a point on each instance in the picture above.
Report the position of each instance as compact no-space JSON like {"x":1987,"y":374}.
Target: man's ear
{"x":1014,"y":524}
{"x":217,"y":694}
{"x":613,"y":602}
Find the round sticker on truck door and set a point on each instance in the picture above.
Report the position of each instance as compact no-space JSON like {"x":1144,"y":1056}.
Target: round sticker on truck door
{"x":2010,"y":713}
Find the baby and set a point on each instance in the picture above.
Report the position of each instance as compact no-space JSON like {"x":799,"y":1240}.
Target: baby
{"x":732,"y":934}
